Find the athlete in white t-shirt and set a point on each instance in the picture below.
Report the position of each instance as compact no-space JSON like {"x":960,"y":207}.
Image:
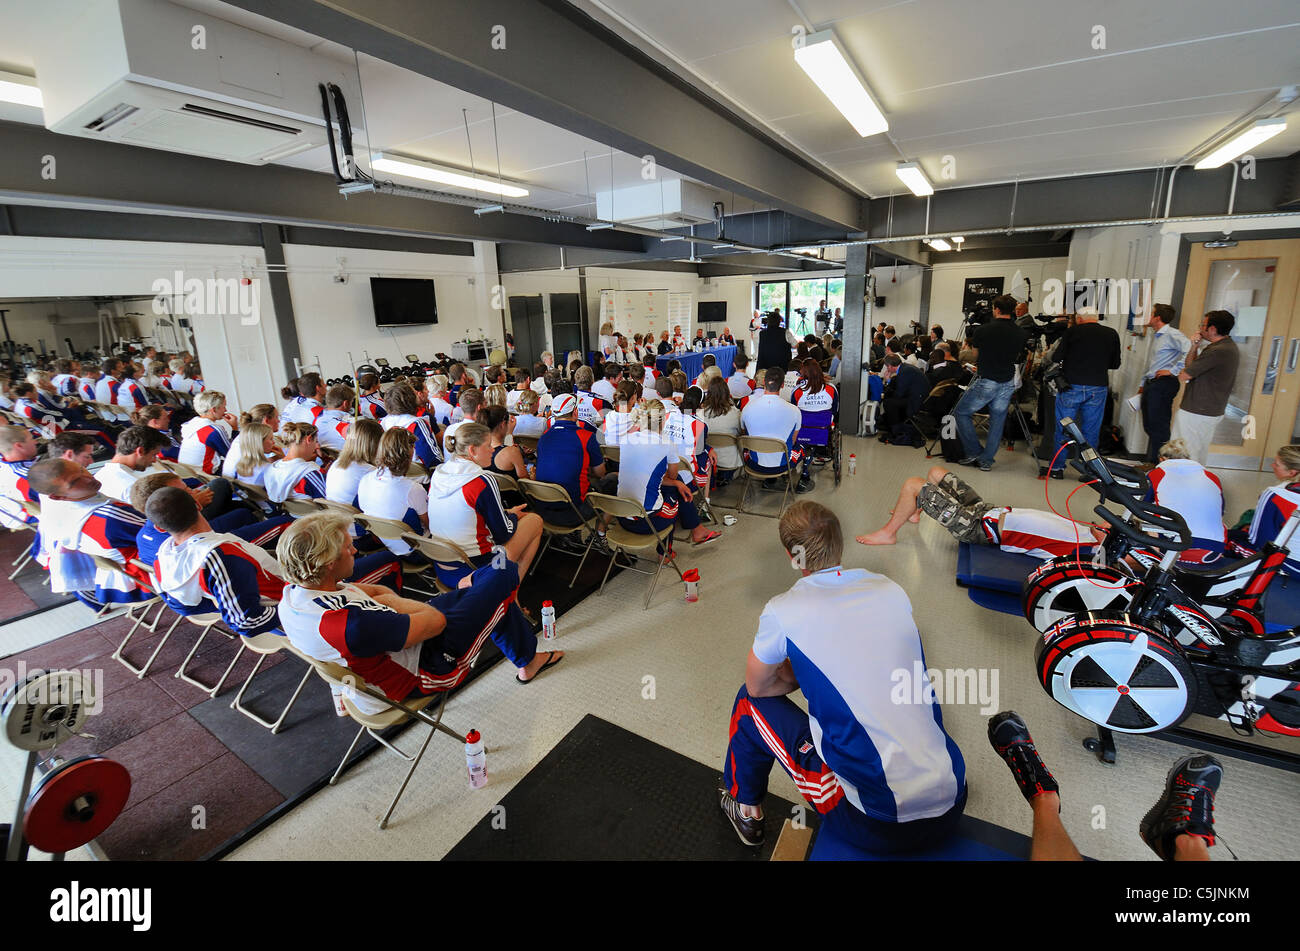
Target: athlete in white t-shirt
{"x":775,"y":418}
{"x":870,"y":754}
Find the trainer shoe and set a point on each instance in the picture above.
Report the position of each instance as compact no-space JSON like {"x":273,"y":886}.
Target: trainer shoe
{"x":969,"y":461}
{"x":1186,"y":808}
{"x":805,"y":485}
{"x":1010,"y":739}
{"x":749,"y":830}
{"x":985,"y":466}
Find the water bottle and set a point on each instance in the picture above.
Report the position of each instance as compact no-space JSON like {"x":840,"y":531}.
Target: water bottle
{"x":853,"y":464}
{"x":475,"y":760}
{"x":692,"y":578}
{"x":548,"y":626}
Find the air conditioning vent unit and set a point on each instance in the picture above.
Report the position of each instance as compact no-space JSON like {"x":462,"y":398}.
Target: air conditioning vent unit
{"x":152,"y":74}
{"x":668,"y":204}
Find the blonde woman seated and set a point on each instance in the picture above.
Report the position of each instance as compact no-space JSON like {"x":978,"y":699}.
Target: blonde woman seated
{"x":251,"y":456}
{"x":529,"y":422}
{"x":358,"y":459}
{"x":262,"y":413}
{"x":466,"y":506}
{"x":721,"y":415}
{"x":206,"y":439}
{"x":495,"y":395}
{"x":648,"y":473}
{"x":296,"y":476}
{"x":401,"y":647}
{"x":386,"y":492}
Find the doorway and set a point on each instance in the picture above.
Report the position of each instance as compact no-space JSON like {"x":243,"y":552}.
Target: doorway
{"x":1256,"y":282}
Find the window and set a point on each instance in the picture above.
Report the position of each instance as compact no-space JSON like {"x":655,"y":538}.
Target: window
{"x":791,"y":296}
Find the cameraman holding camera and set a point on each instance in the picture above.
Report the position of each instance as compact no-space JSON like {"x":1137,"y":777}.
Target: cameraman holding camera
{"x":1087,"y":353}
{"x":999,"y":344}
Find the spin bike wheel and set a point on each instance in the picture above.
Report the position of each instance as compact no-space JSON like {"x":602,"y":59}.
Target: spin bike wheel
{"x":1066,"y":586}
{"x":1117,"y":673}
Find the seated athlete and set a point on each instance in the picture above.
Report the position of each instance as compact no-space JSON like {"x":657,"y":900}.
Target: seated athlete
{"x":76,"y":522}
{"x":252,"y":454}
{"x":358,"y":459}
{"x":206,"y":439}
{"x":591,"y":407}
{"x":1274,"y":507}
{"x":651,"y":471}
{"x":158,"y":417}
{"x":17,"y":454}
{"x":332,"y":425}
{"x":771,"y":416}
{"x":387,"y":492}
{"x":1184,"y":485}
{"x":968,"y":518}
{"x":371,"y":403}
{"x":465,"y":504}
{"x":403,"y":411}
{"x":1178,"y":828}
{"x":306,"y":406}
{"x":239,"y":520}
{"x":883,"y":775}
{"x":297,"y":475}
{"x":568,"y":454}
{"x":401,"y":647}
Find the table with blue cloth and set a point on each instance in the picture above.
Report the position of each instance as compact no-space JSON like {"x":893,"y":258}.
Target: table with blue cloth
{"x":693,"y":362}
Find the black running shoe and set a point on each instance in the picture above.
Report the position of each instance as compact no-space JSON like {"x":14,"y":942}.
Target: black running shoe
{"x":805,"y":485}
{"x":749,"y":830}
{"x":1010,"y":739}
{"x":1186,"y":808}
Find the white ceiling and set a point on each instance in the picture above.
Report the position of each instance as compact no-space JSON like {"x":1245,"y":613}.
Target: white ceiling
{"x":1009,"y":88}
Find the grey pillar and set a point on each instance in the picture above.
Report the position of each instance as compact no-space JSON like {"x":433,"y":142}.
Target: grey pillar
{"x":927,"y":281}
{"x":285,"y":325}
{"x":855,"y":317}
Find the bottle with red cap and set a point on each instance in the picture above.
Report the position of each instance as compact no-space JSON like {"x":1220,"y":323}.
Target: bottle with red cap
{"x":476,"y":760}
{"x":547,"y":640}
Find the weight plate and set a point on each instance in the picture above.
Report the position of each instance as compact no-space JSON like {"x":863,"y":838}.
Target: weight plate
{"x":47,"y":708}
{"x":75,"y":802}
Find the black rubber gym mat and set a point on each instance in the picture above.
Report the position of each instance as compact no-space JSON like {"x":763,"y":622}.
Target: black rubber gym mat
{"x":605,"y":793}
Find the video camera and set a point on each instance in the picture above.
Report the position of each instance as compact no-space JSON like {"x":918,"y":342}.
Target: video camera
{"x":1043,"y":329}
{"x":981,"y":312}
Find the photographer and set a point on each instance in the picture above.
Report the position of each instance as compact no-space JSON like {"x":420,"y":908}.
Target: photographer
{"x":1085,"y":355}
{"x":999,"y":346}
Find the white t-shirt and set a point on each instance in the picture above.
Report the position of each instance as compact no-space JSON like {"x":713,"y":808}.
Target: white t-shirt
{"x":384,"y":495}
{"x":529,"y":425}
{"x":341,"y":484}
{"x":230,"y":470}
{"x":643,"y":462}
{"x":604,"y":389}
{"x":867,"y":691}
{"x":116,"y":480}
{"x":771,"y":416}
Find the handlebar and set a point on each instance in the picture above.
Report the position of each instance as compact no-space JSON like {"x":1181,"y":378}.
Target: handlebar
{"x":1128,"y":487}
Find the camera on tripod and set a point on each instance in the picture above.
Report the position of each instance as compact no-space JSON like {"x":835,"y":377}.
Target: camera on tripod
{"x":1054,"y":379}
{"x":981,"y":312}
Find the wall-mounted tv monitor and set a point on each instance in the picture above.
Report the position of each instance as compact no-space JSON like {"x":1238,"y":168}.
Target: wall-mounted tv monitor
{"x":712,"y":312}
{"x":403,"y":302}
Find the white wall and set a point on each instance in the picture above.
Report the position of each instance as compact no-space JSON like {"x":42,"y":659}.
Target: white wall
{"x":237,"y":357}
{"x":334,"y":319}
{"x":949,"y":283}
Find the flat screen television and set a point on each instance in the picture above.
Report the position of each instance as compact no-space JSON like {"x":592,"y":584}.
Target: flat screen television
{"x":712,"y":312}
{"x":403,"y":302}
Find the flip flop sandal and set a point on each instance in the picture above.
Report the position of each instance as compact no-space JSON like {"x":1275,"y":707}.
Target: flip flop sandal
{"x":552,"y":660}
{"x":711,"y":537}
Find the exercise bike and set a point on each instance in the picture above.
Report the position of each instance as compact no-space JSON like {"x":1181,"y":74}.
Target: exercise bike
{"x":1230,"y":591}
{"x":1127,"y":671}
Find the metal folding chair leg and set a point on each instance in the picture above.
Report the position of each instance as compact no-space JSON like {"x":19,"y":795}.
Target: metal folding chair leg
{"x":141,"y":671}
{"x":591,"y":541}
{"x":272,"y":725}
{"x":21,"y":562}
{"x":415,"y":761}
{"x":211,"y":689}
{"x":662,"y":558}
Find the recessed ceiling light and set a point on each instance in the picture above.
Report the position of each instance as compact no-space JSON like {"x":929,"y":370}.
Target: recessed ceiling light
{"x":823,"y":58}
{"x":1261,"y":131}
{"x":913,"y":177}
{"x":441,"y":175}
{"x":21,"y":90}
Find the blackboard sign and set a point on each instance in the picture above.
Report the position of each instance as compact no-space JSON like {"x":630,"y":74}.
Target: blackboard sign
{"x":980,"y":288}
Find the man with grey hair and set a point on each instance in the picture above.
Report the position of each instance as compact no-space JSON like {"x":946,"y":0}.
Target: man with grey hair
{"x":592,"y":409}
{"x":1087,"y":353}
{"x":882,"y":772}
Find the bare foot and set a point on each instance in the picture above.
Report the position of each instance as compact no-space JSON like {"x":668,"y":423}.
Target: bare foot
{"x":538,"y":662}
{"x":881,"y":537}
{"x":915,"y":517}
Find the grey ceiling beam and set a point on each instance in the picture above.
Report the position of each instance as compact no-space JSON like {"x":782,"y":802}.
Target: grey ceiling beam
{"x":561,"y":66}
{"x":107,"y":175}
{"x":1088,"y":199}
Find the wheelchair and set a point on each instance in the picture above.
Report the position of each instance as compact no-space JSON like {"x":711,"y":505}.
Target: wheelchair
{"x":820,"y":430}
{"x":1148,"y":665}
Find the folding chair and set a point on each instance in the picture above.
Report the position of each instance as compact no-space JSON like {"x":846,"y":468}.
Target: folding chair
{"x":527,"y":443}
{"x":254,"y":493}
{"x":33,"y":509}
{"x":549,"y":492}
{"x":611,"y":453}
{"x":264,"y":645}
{"x":181,"y":470}
{"x":507,"y":483}
{"x":341,"y":508}
{"x":205,"y":623}
{"x":131,"y":608}
{"x":627,"y":541}
{"x":393,"y":530}
{"x":765,"y":444}
{"x":337,"y":675}
{"x":440,"y":550}
{"x":300,"y":507}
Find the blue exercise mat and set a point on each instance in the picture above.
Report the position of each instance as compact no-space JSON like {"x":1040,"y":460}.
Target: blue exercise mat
{"x":975,"y":841}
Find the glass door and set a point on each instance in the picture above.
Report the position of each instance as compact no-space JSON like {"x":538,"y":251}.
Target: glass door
{"x":1257,"y":283}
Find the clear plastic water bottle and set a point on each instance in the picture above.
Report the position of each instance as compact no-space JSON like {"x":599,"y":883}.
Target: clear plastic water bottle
{"x":853,"y":464}
{"x":548,"y":625}
{"x":475,"y":760}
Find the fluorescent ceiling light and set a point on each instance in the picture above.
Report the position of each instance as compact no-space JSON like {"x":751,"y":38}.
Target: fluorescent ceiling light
{"x":957,"y":239}
{"x":913,"y":177}
{"x":19,"y":89}
{"x":441,"y":175}
{"x":1261,"y":131}
{"x":940,"y":244}
{"x":826,"y":63}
